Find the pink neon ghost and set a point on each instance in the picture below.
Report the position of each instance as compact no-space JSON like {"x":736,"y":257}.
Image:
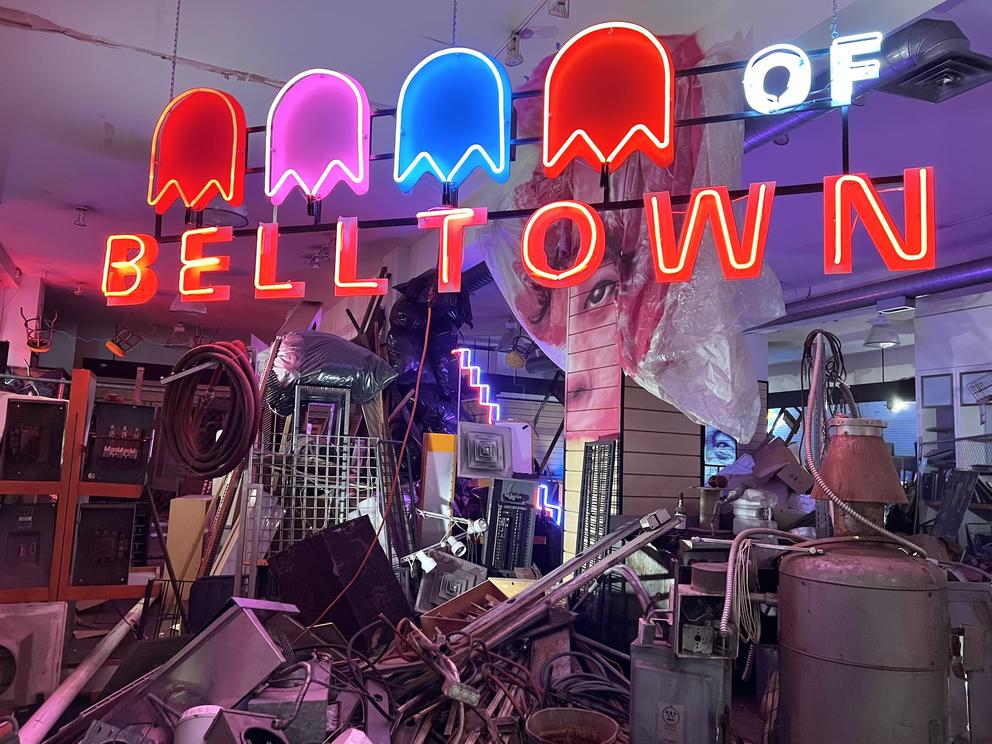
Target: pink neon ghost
{"x":317,"y":135}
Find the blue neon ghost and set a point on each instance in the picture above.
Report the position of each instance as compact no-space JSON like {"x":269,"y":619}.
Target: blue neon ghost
{"x":453,"y":116}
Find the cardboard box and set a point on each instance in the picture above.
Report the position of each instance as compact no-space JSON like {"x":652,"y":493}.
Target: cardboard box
{"x":456,"y":613}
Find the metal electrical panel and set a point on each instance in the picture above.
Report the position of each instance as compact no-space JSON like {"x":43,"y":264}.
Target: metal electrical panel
{"x":33,"y":430}
{"x":511,"y":517}
{"x":118,"y":448}
{"x":102,"y":552}
{"x":27,"y":536}
{"x":675,"y":700}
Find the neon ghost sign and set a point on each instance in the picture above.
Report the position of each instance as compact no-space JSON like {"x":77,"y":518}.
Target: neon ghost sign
{"x":453,"y":116}
{"x":317,"y":135}
{"x":198,"y":151}
{"x":608,"y":95}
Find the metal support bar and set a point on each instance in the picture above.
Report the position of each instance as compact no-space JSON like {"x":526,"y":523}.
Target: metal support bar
{"x":516,"y":214}
{"x":186,"y":372}
{"x":650,"y":525}
{"x":845,"y":139}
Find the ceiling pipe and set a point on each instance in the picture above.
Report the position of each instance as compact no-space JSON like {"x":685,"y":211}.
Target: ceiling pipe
{"x":909,"y":47}
{"x":949,"y":278}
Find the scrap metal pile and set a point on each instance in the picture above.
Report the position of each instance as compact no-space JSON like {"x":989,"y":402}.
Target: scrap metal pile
{"x":514,"y":671}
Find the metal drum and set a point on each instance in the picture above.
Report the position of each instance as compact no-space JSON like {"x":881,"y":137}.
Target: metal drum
{"x":864,"y":647}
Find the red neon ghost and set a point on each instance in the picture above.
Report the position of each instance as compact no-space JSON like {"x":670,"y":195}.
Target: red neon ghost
{"x":198,"y":151}
{"x":609,"y":93}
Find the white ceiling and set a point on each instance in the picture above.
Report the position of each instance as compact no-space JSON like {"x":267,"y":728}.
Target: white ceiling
{"x":79,"y":104}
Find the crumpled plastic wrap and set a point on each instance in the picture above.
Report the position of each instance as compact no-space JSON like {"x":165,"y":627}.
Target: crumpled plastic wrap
{"x":682,"y":342}
{"x":317,"y":358}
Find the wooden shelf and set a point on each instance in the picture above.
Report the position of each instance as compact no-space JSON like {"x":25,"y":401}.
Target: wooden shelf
{"x":27,"y":594}
{"x":112,"y":591}
{"x":30,"y":488}
{"x":110,"y":490}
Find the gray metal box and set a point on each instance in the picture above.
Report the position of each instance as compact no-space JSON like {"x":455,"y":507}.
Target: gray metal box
{"x":673,"y":699}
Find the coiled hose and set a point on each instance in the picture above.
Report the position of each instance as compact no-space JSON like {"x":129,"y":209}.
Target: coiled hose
{"x":182,"y":418}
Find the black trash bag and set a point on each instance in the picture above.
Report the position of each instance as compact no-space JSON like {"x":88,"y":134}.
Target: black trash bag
{"x":436,"y":412}
{"x":451,"y":310}
{"x":316,"y":358}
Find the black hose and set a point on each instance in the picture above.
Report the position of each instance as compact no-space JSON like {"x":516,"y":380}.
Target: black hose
{"x":181,"y":418}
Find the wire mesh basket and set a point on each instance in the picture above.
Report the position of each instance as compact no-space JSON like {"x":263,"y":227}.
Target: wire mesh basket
{"x":299,"y":484}
{"x":982,"y":389}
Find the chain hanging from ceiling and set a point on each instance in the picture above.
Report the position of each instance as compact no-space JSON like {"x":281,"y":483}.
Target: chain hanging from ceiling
{"x":454,"y":22}
{"x":175,"y":50}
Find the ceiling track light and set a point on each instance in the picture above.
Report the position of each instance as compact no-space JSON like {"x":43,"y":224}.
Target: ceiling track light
{"x":558,"y":8}
{"x":513,"y":55}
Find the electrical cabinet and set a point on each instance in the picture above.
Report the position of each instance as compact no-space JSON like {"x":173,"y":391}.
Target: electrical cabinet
{"x":33,"y":430}
{"x":103,"y":544}
{"x":27,"y":537}
{"x":511,"y":520}
{"x":119,"y":444}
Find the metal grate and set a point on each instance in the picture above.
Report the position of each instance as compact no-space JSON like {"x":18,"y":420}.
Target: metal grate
{"x":598,"y":495}
{"x":982,"y":389}
{"x":299,"y":484}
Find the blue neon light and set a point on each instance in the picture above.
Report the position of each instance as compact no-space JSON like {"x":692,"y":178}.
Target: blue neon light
{"x":453,"y":116}
{"x":549,"y":507}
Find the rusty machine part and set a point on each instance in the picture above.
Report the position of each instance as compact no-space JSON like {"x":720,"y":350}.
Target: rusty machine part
{"x":864,"y":645}
{"x":859,"y":469}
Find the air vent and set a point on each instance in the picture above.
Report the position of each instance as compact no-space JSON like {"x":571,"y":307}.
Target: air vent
{"x":943,"y":77}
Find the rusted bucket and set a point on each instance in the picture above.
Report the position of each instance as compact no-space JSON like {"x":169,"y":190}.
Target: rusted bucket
{"x":571,"y":726}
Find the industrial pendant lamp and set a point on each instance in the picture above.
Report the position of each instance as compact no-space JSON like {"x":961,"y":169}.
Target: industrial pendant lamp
{"x":882,"y":335}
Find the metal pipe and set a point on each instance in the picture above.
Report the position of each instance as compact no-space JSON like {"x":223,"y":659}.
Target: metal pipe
{"x":537,"y":590}
{"x":521,"y":618}
{"x":635,"y":583}
{"x":946,"y":279}
{"x":903,"y":50}
{"x":38,"y":725}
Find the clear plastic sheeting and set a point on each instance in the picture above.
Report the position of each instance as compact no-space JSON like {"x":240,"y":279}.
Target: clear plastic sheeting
{"x":698,"y":359}
{"x":682,"y":342}
{"x":316,"y":358}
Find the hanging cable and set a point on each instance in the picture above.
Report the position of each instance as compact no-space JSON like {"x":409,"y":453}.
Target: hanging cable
{"x":184,"y":409}
{"x":392,"y":494}
{"x":746,"y":615}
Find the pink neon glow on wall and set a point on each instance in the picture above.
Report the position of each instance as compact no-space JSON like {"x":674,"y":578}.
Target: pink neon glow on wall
{"x":474,"y":374}
{"x":317,"y":136}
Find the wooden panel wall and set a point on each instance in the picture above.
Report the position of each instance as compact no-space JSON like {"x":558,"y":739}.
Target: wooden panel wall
{"x":662,"y":453}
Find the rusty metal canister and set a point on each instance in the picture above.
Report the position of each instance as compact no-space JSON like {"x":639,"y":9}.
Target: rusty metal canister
{"x":864,"y":646}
